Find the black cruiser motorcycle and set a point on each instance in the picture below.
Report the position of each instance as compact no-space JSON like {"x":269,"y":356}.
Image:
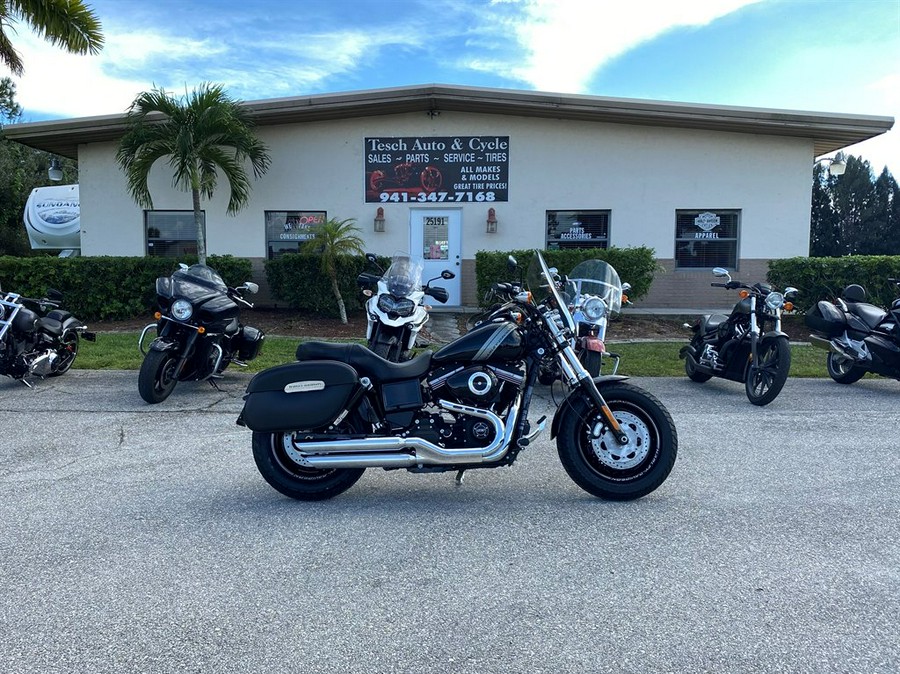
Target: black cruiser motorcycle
{"x":859,"y":337}
{"x":37,"y":338}
{"x":319,"y":423}
{"x":198,"y":333}
{"x":746,"y":346}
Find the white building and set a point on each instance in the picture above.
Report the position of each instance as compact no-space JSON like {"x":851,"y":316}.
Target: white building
{"x":448,"y":171}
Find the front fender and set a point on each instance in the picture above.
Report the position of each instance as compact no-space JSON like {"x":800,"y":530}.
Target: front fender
{"x":160,"y":344}
{"x":566,"y":408}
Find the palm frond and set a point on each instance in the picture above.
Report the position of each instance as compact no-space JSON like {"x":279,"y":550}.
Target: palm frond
{"x":69,"y":24}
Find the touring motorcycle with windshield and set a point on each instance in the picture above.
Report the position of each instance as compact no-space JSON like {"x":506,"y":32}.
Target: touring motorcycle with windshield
{"x":396,"y":311}
{"x":747,"y":345}
{"x":596,"y":294}
{"x":37,"y":338}
{"x":318,"y":423}
{"x":859,"y":337}
{"x":198,"y":331}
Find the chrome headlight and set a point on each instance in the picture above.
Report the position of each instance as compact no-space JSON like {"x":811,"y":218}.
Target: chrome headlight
{"x":392,"y":305}
{"x":594,"y":308}
{"x":774,"y":301}
{"x":182,"y":310}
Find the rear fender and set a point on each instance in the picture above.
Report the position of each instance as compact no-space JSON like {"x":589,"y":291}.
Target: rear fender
{"x":567,"y":408}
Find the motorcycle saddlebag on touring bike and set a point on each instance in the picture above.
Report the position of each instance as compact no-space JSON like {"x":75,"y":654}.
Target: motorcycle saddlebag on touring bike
{"x":298,"y":396}
{"x":826,"y":319}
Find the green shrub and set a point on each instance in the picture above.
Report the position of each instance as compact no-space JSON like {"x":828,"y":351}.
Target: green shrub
{"x":634,"y":265}
{"x":823,"y":278}
{"x":105,"y":287}
{"x":297,"y":279}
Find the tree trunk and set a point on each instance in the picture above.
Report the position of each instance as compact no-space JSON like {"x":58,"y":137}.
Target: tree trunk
{"x":340,"y":300}
{"x":198,"y":221}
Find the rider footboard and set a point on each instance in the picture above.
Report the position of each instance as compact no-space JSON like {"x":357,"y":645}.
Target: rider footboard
{"x":298,"y":396}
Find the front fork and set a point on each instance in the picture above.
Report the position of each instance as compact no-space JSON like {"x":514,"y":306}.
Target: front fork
{"x":576,"y":375}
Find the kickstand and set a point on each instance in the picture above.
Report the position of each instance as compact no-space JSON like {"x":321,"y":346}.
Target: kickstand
{"x":459,"y":477}
{"x":214,"y":385}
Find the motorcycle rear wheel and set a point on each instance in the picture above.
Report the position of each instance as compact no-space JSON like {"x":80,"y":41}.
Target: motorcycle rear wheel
{"x":766,"y":377}
{"x":157,"y":380}
{"x":598,"y":464}
{"x":272,"y":453}
{"x":66,"y":353}
{"x":842,"y":370}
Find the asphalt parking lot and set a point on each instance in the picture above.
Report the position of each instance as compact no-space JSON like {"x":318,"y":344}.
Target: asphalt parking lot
{"x":140,"y":538}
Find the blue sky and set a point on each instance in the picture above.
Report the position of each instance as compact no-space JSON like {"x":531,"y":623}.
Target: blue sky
{"x":823,"y":55}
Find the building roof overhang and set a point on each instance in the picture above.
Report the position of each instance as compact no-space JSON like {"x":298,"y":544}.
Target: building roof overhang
{"x":828,"y":131}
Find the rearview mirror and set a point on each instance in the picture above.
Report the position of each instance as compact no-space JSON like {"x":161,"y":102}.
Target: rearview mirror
{"x":250,"y":287}
{"x":511,"y":263}
{"x":447,"y":274}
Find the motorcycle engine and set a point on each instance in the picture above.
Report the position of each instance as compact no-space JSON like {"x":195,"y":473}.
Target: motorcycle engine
{"x":477,"y":385}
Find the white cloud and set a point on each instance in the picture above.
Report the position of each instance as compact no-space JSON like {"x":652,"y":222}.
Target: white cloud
{"x":567,"y":41}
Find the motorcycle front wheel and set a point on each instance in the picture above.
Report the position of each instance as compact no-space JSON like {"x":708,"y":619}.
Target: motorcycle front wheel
{"x":597,"y":463}
{"x":766,"y":376}
{"x":65,"y":354}
{"x":275,"y":454}
{"x":157,"y":379}
{"x":842,"y":370}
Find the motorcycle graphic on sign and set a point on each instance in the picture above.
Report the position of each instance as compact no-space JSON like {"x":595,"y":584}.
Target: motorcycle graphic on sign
{"x":406,"y":175}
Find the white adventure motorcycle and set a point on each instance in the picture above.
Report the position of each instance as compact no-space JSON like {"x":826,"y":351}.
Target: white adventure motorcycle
{"x":395,"y":310}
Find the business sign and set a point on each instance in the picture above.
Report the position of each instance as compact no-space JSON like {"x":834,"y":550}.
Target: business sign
{"x":707,"y":222}
{"x":437,"y":169}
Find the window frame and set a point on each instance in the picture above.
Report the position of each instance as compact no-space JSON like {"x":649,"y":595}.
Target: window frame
{"x":553,"y":243}
{"x":718,"y":212}
{"x":149,"y":249}
{"x":286,"y":214}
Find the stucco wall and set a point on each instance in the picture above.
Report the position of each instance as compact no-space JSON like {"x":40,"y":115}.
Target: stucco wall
{"x":642,"y":174}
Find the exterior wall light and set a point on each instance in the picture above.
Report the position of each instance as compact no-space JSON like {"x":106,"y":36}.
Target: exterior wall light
{"x":836,"y":164}
{"x":379,"y":219}
{"x":491,"y":221}
{"x":55,"y":172}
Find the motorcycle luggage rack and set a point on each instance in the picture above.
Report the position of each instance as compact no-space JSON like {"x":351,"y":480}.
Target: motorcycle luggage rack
{"x":6,"y":318}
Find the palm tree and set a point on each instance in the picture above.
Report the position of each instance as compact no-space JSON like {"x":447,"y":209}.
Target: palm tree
{"x":69,"y":24}
{"x":201,"y":134}
{"x":335,"y":238}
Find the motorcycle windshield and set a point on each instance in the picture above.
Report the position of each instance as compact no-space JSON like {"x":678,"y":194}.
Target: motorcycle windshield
{"x":597,"y":279}
{"x":403,"y":276}
{"x":197,"y":282}
{"x":545,"y":286}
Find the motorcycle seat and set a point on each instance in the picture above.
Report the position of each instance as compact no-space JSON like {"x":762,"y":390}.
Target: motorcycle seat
{"x":233,"y":327}
{"x":869,"y":313}
{"x":50,"y":325}
{"x":365,"y":361}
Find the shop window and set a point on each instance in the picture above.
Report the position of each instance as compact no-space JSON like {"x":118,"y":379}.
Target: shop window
{"x":287,"y":230}
{"x":705,"y":239}
{"x":577,"y":229}
{"x":171,"y":233}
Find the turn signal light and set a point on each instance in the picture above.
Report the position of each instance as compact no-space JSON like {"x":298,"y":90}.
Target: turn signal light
{"x":624,"y":299}
{"x":744,"y":294}
{"x":788,"y":306}
{"x":201,"y":329}
{"x":157,"y":315}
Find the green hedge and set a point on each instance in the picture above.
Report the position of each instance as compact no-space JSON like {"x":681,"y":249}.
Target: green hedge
{"x":634,"y":265}
{"x":823,"y":278}
{"x":106,"y":288}
{"x":297,"y":280}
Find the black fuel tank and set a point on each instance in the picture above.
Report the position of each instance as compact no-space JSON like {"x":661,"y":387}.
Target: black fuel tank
{"x":494,"y":341}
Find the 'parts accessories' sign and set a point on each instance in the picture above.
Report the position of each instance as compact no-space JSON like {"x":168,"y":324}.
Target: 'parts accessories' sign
{"x":437,"y":169}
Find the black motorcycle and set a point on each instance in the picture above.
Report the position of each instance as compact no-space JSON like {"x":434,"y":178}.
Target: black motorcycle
{"x":747,"y":345}
{"x":198,"y":333}
{"x":860,"y":337}
{"x":37,"y":338}
{"x":319,"y":423}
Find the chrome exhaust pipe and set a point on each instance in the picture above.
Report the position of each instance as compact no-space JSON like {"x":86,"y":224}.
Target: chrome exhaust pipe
{"x":397,"y":452}
{"x":832,"y":347}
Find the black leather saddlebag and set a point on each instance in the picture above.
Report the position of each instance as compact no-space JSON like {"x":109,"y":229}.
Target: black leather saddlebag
{"x":826,"y":319}
{"x":250,"y":343}
{"x":298,"y":396}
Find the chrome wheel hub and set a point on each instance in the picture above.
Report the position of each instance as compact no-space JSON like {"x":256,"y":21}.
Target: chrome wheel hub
{"x":622,"y":457}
